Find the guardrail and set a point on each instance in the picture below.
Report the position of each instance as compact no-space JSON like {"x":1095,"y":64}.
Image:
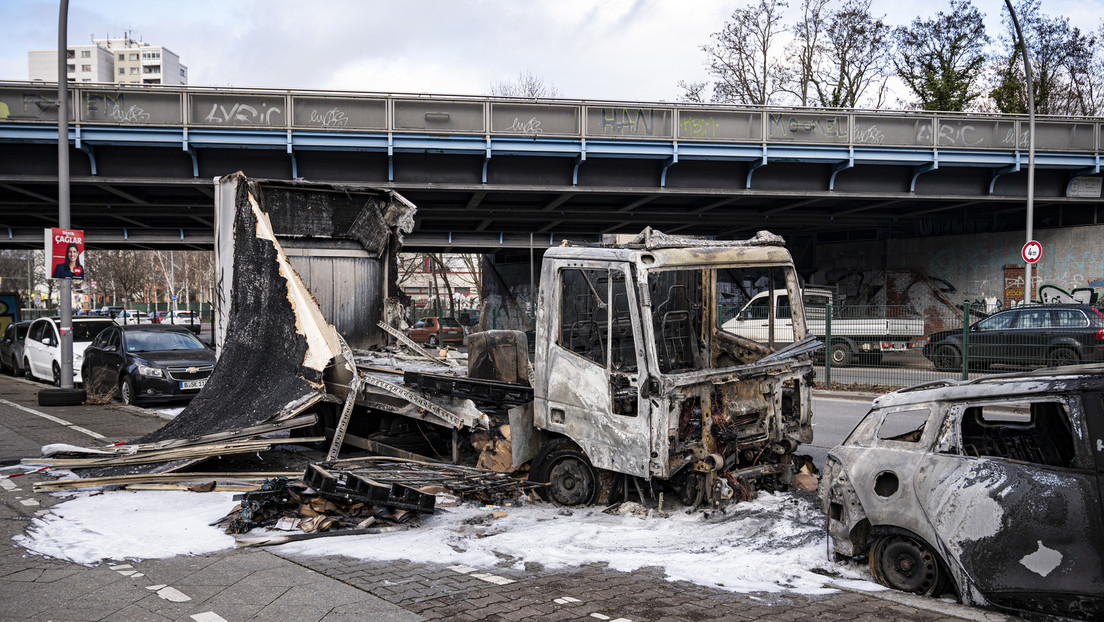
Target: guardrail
{"x":156,"y":106}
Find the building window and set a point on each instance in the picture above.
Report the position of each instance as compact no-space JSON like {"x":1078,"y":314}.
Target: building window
{"x":134,"y":56}
{"x":70,"y":68}
{"x":133,"y":70}
{"x":86,"y":67}
{"x":122,"y":71}
{"x":181,"y":72}
{"x":122,"y":57}
{"x":152,"y":69}
{"x":86,"y":54}
{"x":70,"y":54}
{"x":86,"y":80}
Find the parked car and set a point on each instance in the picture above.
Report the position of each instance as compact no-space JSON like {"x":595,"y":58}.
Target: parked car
{"x":129,"y":316}
{"x":1058,"y":334}
{"x":11,"y":347}
{"x":42,"y":346}
{"x":191,"y":319}
{"x":147,"y":362}
{"x":434,"y":331}
{"x":991,"y":487}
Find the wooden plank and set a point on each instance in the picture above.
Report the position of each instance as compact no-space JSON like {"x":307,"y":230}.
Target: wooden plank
{"x":152,"y":478}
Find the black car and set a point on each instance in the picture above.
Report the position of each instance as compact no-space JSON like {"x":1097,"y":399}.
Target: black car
{"x":147,"y":362}
{"x":11,"y":347}
{"x":1058,"y":334}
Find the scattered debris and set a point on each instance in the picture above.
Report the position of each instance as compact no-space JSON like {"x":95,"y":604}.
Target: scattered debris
{"x":353,"y":496}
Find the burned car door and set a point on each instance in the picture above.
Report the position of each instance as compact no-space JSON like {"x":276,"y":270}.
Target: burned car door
{"x":593,"y":378}
{"x":1013,"y":498}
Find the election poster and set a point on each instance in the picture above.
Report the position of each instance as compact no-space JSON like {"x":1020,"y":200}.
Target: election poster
{"x":65,"y":248}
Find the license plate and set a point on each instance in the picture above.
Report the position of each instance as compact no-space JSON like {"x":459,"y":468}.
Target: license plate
{"x":193,"y":384}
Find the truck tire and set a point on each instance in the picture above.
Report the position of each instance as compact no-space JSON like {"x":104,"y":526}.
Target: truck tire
{"x":61,"y":397}
{"x":569,"y":478}
{"x":841,"y":354}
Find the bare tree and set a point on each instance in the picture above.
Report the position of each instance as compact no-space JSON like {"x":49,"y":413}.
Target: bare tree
{"x":526,"y":84}
{"x":805,"y":52}
{"x":17,"y":272}
{"x":742,"y":56}
{"x":1062,"y":60}
{"x":857,"y":57}
{"x":122,"y":272}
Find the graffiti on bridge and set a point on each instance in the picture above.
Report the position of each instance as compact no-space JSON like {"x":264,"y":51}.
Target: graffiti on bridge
{"x":627,"y":122}
{"x":243,"y":114}
{"x":334,"y":117}
{"x":783,"y":125}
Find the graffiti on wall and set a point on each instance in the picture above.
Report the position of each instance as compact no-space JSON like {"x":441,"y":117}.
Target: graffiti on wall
{"x":1049,"y":294}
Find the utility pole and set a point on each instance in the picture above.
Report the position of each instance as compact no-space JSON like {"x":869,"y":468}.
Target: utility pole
{"x":1030,"y":147}
{"x":63,"y":192}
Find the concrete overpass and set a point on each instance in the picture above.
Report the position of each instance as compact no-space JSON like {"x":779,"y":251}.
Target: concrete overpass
{"x":491,"y":173}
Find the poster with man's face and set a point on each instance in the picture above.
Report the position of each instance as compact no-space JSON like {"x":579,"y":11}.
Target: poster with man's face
{"x":65,"y":248}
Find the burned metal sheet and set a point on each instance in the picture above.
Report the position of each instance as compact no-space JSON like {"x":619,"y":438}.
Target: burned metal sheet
{"x":277,"y":343}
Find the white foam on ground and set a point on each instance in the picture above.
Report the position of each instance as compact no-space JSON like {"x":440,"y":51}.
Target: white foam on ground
{"x":771,"y":544}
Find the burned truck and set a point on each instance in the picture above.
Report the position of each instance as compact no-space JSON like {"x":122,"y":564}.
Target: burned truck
{"x":634,"y":385}
{"x":633,"y":375}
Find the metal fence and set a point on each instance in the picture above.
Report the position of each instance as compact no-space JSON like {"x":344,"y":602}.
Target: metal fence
{"x":895,"y":347}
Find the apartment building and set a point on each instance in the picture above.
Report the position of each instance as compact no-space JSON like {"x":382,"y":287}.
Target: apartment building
{"x":120,"y":60}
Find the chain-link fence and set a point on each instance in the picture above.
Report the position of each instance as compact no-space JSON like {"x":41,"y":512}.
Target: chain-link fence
{"x":900,"y":346}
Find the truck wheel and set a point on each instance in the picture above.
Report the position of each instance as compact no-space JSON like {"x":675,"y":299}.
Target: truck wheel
{"x":905,"y":563}
{"x":841,"y":354}
{"x":1062,"y":356}
{"x":568,"y":476}
{"x":946,"y":358}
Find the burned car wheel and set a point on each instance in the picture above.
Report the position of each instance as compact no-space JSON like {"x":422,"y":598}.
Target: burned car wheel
{"x":570,"y":479}
{"x":907,"y":564}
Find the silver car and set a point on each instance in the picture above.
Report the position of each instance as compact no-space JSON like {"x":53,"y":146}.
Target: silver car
{"x":990,"y":488}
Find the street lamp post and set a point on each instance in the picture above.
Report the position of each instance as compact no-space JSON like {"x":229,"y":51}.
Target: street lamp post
{"x":63,"y":193}
{"x":1030,"y":147}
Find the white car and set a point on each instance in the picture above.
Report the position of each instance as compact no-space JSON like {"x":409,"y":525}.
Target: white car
{"x":191,"y":319}
{"x":42,"y":348}
{"x":130,"y":316}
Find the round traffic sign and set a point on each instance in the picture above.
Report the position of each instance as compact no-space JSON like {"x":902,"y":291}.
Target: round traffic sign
{"x":1032,"y":251}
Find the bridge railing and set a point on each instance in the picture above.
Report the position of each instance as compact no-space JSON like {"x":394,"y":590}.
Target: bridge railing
{"x":201,"y":108}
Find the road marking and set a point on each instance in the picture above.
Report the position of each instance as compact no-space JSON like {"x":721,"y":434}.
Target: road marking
{"x":207,"y":616}
{"x":7,"y":484}
{"x":63,"y":422}
{"x":565,"y":600}
{"x":491,"y":578}
{"x":29,"y":502}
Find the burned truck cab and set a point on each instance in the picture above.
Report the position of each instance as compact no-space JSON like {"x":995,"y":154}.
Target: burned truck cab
{"x":635,"y":376}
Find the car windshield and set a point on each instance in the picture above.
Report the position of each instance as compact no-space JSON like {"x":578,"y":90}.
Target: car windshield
{"x":157,"y":340}
{"x":87,"y":331}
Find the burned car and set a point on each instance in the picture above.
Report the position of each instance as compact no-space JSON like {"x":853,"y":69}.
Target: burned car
{"x":990,"y":487}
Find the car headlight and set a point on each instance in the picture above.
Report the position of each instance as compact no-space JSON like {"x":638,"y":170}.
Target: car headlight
{"x":151,"y":371}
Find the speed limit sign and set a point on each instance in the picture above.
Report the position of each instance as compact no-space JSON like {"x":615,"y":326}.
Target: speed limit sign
{"x":1032,"y":251}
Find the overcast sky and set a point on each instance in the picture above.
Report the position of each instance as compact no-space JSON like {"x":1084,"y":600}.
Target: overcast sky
{"x":588,"y":49}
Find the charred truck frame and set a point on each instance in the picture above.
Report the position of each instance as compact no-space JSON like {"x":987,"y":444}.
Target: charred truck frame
{"x":634,"y":377}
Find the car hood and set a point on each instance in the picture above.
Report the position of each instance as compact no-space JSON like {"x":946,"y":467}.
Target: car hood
{"x":177,"y":358}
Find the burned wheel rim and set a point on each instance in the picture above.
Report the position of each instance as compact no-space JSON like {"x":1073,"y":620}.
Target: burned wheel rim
{"x":571,"y":479}
{"x":906,"y":564}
